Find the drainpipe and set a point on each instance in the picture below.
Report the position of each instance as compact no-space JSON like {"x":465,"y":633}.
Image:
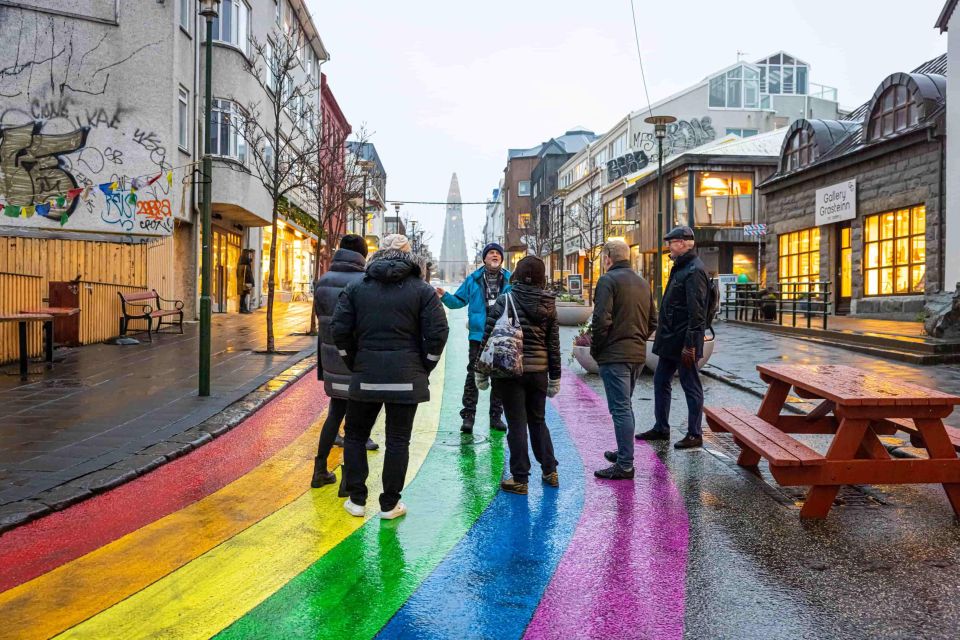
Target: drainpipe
{"x":942,"y":208}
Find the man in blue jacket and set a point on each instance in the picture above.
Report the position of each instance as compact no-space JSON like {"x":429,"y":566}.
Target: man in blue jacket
{"x":480,"y":291}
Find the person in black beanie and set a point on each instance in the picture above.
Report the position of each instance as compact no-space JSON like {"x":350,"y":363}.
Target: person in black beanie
{"x":480,"y":291}
{"x":525,"y":398}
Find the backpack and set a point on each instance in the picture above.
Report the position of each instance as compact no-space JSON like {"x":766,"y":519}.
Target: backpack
{"x":502,"y":356}
{"x":713,"y":303}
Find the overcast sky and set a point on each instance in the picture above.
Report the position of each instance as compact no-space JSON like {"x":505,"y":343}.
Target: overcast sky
{"x":449,"y":86}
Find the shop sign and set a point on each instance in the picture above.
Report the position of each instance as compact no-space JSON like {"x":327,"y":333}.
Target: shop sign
{"x":836,"y":203}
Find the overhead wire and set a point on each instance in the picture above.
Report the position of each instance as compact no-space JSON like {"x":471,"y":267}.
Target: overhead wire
{"x":636,"y":39}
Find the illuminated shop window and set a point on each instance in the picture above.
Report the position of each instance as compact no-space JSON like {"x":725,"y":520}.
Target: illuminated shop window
{"x":895,"y":252}
{"x":723,"y":199}
{"x":799,"y":260}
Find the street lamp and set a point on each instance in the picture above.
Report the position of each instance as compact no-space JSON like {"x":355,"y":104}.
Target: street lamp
{"x":209,"y":9}
{"x":660,"y":130}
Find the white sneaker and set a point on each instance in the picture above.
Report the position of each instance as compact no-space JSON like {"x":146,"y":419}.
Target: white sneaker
{"x":396,"y":512}
{"x":354,"y":509}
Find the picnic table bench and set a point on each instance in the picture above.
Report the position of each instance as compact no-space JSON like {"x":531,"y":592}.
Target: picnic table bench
{"x":856,"y":407}
{"x":150,"y":309}
{"x":22,"y":320}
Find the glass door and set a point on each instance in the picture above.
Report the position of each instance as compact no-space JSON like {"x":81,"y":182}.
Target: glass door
{"x":844,"y":282}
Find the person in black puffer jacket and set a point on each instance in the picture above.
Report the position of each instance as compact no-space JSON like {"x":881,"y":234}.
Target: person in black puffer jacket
{"x":347,"y":266}
{"x":390,"y":329}
{"x":524,"y":399}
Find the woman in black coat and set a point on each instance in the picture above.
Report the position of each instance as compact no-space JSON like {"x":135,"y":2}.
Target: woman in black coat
{"x":525,"y":398}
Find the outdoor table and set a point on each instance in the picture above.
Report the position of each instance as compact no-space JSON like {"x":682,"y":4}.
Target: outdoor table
{"x":856,"y":407}
{"x":22,"y":320}
{"x":56,"y":312}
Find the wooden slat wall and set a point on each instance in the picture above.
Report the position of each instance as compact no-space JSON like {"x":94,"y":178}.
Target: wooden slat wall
{"x":18,"y":292}
{"x":103,"y":267}
{"x":160,"y":267}
{"x":100,"y":310}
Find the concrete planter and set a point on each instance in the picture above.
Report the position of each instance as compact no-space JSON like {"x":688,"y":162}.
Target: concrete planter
{"x":582,"y":355}
{"x":573,"y":314}
{"x":652,"y":359}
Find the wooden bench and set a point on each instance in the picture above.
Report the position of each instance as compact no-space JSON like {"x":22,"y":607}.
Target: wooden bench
{"x":762,"y":438}
{"x":907,"y":426}
{"x":148,"y":311}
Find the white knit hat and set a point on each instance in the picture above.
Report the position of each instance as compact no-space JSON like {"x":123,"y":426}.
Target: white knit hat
{"x":396,"y":241}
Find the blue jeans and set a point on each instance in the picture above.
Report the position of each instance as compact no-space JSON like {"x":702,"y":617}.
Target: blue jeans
{"x":619,"y":380}
{"x":692,"y":389}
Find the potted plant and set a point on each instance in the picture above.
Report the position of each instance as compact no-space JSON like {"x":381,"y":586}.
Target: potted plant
{"x":708,"y":344}
{"x":572,"y":311}
{"x":768,"y":304}
{"x":581,"y":349}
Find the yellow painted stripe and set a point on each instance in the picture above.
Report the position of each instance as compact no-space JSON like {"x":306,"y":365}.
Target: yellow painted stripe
{"x":98,"y":580}
{"x":211,"y":592}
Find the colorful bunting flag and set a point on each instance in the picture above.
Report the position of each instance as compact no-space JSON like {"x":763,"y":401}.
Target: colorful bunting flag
{"x":43,"y":209}
{"x":27,"y":212}
{"x":169,"y":178}
{"x":63,"y":218}
{"x":11,"y":211}
{"x":73,"y":193}
{"x":154,"y":178}
{"x":62,"y":202}
{"x":107,"y":188}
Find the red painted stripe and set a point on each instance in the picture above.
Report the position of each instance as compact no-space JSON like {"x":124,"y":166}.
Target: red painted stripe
{"x":42,"y":545}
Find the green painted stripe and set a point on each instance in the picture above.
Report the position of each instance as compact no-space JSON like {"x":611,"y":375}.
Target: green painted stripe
{"x":354,"y":590}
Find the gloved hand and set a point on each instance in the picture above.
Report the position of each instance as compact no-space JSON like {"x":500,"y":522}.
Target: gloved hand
{"x":482,"y":380}
{"x":553,"y":387}
{"x":689,"y":357}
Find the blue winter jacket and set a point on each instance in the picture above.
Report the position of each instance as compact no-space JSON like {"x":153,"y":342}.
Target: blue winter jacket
{"x":472,"y":293}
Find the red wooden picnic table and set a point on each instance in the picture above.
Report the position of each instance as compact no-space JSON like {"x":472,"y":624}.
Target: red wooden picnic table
{"x":856,"y":407}
{"x":22,"y":320}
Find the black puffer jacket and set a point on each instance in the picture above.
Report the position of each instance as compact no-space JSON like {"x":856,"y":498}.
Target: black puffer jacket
{"x":537,"y":310}
{"x":683,"y":311}
{"x":347,"y":267}
{"x":624,"y":315}
{"x":390,"y":329}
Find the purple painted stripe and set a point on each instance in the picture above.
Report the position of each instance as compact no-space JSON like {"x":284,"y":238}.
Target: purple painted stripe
{"x":623,"y":575}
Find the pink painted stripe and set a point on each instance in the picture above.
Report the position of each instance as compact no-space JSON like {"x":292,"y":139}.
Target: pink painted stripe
{"x":623,"y":574}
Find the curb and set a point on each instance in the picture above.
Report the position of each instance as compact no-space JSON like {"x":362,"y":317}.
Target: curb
{"x":17,"y":513}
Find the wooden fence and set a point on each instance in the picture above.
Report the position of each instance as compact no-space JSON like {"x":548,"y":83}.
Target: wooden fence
{"x":19,"y":292}
{"x":100,"y":310}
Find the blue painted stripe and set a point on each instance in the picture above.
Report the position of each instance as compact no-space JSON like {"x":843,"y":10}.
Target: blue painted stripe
{"x":492,"y":581}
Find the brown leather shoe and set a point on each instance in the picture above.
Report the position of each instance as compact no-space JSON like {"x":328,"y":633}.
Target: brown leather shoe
{"x":552,"y":479}
{"x":512,"y":486}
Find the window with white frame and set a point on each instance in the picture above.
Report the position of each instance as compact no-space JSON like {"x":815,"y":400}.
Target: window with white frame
{"x":600,"y":159}
{"x":523,"y":188}
{"x":743,"y":133}
{"x":619,"y":146}
{"x":270,"y":65}
{"x":232,"y":25}
{"x":738,"y":88}
{"x":183,"y":119}
{"x":783,"y":74}
{"x":225,"y":133}
{"x":186,"y":14}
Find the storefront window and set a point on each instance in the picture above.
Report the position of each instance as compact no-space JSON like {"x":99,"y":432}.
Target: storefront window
{"x":723,"y":199}
{"x":745,"y":262}
{"x":680,"y":188}
{"x":799,"y":260}
{"x":895,"y":252}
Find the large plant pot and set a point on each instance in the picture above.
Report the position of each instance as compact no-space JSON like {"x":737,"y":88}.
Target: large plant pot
{"x":582,"y":355}
{"x":573,"y":314}
{"x":652,"y":359}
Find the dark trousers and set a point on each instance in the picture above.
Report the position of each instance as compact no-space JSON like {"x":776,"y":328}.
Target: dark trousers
{"x":619,"y":381}
{"x":525,"y":403}
{"x":471,"y":393}
{"x":692,"y":389}
{"x":360,"y":419}
{"x":331,"y":427}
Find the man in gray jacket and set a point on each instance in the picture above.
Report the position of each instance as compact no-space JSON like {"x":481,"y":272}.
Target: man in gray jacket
{"x":347,"y":266}
{"x":624,"y":315}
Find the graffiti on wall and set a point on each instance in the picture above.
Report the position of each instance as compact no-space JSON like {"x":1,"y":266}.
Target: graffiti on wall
{"x":73,"y":154}
{"x":681,"y":136}
{"x":630,"y":162}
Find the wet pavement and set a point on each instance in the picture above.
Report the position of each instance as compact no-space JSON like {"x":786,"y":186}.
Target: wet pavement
{"x":229,"y":541}
{"x":102,"y":414}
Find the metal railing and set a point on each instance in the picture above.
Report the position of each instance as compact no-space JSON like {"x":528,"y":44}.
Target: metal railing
{"x":808,"y":300}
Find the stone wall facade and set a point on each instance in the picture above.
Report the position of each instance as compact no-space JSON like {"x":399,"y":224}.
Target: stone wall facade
{"x":900,"y":173}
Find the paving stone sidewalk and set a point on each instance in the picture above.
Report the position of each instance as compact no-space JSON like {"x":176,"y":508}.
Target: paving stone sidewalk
{"x":105,"y":414}
{"x":740,"y":349}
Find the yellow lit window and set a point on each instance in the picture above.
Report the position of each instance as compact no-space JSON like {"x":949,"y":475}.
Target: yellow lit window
{"x":799,"y":260}
{"x":895,"y":252}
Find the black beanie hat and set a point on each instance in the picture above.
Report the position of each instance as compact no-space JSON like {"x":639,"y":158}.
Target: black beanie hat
{"x":493,"y":246}
{"x":530,"y":270}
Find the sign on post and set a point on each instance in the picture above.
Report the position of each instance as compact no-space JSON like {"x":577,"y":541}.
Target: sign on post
{"x":750,"y":230}
{"x":575,"y":284}
{"x":836,"y":203}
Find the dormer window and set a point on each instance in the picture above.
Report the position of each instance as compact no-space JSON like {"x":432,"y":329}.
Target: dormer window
{"x":801,"y":149}
{"x":895,"y":110}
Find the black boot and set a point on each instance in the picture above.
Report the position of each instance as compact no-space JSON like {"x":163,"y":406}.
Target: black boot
{"x":320,"y":474}
{"x":467,"y":426}
{"x":497,"y":423}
